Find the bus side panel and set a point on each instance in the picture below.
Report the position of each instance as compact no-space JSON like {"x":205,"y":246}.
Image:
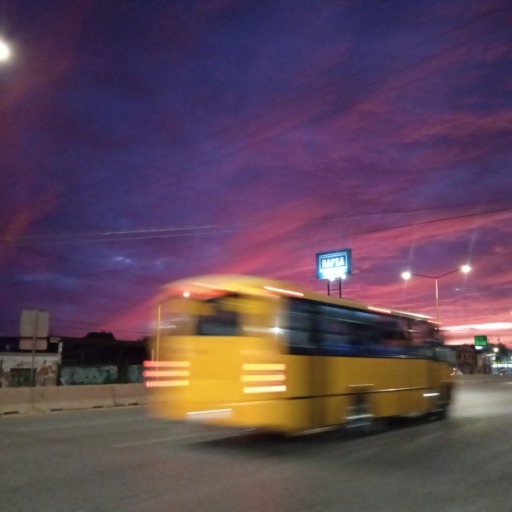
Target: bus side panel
{"x":391,"y":380}
{"x":380,"y":381}
{"x":394,"y":386}
{"x":299,"y":403}
{"x":429,"y":381}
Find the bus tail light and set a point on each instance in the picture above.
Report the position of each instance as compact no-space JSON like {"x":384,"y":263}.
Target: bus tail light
{"x":263,"y":378}
{"x":161,"y":374}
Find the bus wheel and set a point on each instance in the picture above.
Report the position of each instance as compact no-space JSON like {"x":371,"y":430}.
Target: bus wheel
{"x":360,"y":418}
{"x":441,"y":412}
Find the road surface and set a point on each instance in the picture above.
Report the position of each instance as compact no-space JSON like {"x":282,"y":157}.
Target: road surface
{"x":124,"y":460}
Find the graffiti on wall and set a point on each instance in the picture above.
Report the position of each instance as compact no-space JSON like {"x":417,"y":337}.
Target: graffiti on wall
{"x":135,"y":374}
{"x":97,"y":374}
{"x":19,"y":370}
{"x":94,"y":374}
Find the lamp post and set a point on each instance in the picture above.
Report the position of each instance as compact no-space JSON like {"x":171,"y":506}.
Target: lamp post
{"x":464,"y":269}
{"x":333,"y":278}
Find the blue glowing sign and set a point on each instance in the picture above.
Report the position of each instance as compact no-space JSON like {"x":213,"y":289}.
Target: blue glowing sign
{"x":334,"y":264}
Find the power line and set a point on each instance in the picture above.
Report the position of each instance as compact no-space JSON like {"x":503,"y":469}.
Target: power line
{"x":60,"y":324}
{"x":172,"y":232}
{"x":73,"y":276}
{"x":158,"y":281}
{"x":125,"y":269}
{"x":433,"y":221}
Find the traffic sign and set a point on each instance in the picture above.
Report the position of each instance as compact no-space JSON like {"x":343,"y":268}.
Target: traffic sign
{"x":480,"y":340}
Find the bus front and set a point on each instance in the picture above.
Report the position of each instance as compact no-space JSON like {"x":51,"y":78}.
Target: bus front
{"x":215,"y":358}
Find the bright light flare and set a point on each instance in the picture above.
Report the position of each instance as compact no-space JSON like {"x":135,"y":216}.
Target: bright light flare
{"x":5,"y":51}
{"x":379,"y":310}
{"x":160,"y":374}
{"x":264,"y":377}
{"x":282,"y":290}
{"x":211,"y":414}
{"x":334,"y":274}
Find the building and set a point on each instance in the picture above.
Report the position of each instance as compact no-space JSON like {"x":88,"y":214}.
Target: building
{"x":98,"y":358}
{"x":470,"y":360}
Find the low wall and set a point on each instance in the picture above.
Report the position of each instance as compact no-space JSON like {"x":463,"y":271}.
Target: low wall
{"x":59,"y":398}
{"x":483,"y":378}
{"x":15,"y":400}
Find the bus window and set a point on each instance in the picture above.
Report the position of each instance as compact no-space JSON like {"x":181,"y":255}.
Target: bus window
{"x":445,"y":355}
{"x":336,"y":334}
{"x":299,"y":326}
{"x":363,"y":335}
{"x":220,"y":318}
{"x":374,"y":334}
{"x":422,"y":331}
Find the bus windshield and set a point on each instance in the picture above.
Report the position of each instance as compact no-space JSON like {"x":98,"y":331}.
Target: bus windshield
{"x":218,"y":316}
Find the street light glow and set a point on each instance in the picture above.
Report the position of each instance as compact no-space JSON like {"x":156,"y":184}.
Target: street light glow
{"x":5,"y":51}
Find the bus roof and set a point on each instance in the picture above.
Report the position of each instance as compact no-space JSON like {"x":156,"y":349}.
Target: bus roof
{"x":261,"y":286}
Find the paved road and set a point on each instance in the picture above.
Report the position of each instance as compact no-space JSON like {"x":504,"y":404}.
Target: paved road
{"x":123,"y":460}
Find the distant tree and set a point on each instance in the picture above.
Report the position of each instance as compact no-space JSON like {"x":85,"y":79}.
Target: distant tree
{"x":102,"y":335}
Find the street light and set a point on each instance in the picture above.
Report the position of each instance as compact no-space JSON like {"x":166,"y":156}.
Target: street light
{"x":464,"y":269}
{"x":5,"y":51}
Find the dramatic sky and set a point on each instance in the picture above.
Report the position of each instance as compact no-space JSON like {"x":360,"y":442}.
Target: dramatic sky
{"x":142,"y":141}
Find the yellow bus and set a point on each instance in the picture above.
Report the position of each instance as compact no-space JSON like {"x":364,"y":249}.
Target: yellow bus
{"x":247,"y":351}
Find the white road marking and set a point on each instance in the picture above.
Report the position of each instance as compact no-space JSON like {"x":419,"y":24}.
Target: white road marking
{"x":207,"y":436}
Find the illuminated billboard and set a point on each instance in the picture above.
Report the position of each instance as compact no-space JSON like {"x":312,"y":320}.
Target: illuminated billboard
{"x":334,"y":264}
